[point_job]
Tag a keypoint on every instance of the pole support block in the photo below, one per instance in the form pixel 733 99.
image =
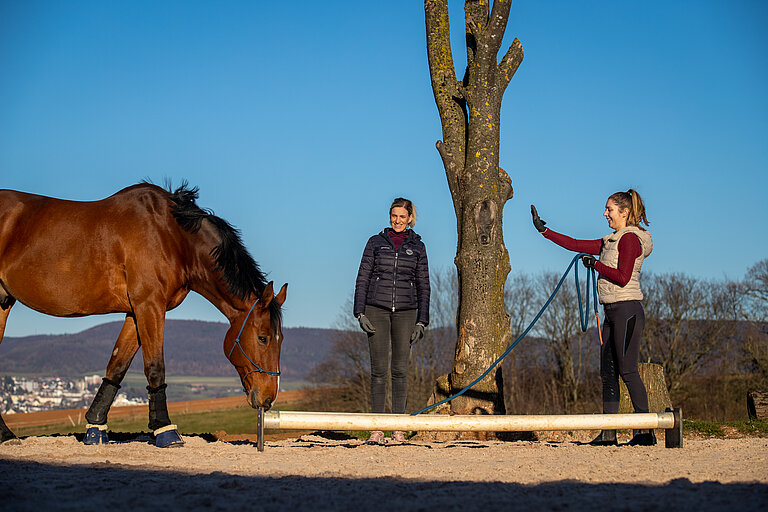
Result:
pixel 673 437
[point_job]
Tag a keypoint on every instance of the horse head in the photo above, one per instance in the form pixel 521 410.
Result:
pixel 252 345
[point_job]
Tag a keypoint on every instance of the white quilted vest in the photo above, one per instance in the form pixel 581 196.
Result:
pixel 610 292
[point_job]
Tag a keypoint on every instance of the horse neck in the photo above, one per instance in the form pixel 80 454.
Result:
pixel 216 292
pixel 207 281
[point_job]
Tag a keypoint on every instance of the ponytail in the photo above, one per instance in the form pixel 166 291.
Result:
pixel 631 200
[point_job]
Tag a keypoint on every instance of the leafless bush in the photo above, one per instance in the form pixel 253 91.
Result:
pixel 689 322
pixel 552 368
pixel 348 364
pixel 570 349
pixel 755 312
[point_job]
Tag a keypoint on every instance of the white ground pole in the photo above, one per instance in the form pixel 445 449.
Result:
pixel 671 421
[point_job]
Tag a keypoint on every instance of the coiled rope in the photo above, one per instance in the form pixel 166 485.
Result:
pixel 583 320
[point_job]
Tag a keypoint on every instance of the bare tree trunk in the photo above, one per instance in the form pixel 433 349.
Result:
pixel 652 375
pixel 470 114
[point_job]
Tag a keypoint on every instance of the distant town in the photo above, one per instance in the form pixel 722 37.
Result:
pixel 32 394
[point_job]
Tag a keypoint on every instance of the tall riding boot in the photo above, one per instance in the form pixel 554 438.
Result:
pixel 643 437
pixel 605 438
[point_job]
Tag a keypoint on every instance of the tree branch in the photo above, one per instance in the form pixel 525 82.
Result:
pixel 498 22
pixel 509 64
pixel 447 158
pixel 452 174
pixel 505 184
pixel 449 93
pixel 475 20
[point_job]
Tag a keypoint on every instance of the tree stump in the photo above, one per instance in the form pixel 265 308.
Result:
pixel 441 391
pixel 652 375
pixel 757 405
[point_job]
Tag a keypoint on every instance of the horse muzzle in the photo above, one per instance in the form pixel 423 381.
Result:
pixel 257 399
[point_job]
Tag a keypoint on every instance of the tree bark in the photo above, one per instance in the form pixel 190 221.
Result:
pixel 652 376
pixel 757 405
pixel 470 113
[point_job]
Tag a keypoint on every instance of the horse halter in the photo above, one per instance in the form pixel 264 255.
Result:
pixel 258 369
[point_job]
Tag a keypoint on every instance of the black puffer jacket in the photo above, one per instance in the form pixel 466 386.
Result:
pixel 396 280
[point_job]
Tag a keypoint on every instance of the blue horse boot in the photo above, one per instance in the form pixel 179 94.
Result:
pixel 96 434
pixel 168 437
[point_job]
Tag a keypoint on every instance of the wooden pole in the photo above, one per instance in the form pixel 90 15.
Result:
pixel 302 420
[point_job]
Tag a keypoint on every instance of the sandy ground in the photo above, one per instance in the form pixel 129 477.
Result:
pixel 333 472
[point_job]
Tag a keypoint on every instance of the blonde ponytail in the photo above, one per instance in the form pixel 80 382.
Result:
pixel 631 200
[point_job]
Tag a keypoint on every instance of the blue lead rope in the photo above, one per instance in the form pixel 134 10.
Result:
pixel 583 318
pixel 583 314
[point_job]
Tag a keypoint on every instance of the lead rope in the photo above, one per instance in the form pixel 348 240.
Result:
pixel 583 319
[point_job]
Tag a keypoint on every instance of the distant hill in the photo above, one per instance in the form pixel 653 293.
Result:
pixel 191 348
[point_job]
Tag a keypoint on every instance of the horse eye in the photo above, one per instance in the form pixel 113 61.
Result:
pixel 263 339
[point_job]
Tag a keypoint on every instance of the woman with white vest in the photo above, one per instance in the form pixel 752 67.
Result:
pixel 621 257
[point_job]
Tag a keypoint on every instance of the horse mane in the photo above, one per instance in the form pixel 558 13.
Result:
pixel 239 270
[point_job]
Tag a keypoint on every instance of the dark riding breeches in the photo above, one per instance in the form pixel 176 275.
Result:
pixel 620 354
pixel 392 336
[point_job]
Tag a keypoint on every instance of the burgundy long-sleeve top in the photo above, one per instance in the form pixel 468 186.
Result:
pixel 397 238
pixel 629 250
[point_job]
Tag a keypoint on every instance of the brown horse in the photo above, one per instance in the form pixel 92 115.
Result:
pixel 139 252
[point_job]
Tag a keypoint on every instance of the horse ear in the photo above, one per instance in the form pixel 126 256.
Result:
pixel 267 294
pixel 280 297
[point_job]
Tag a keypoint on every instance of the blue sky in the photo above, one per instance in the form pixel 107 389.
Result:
pixel 301 121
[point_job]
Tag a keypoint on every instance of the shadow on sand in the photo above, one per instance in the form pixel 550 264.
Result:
pixel 32 486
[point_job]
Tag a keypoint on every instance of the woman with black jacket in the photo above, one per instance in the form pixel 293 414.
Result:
pixel 392 305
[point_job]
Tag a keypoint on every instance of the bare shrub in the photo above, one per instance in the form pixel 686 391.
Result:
pixel 755 311
pixel 553 368
pixel 688 323
pixel 569 348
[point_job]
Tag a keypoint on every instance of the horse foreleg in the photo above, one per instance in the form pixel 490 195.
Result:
pixel 6 435
pixel 126 346
pixel 151 327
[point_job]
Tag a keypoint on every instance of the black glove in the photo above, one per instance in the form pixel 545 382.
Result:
pixel 537 222
pixel 366 324
pixel 588 260
pixel 418 333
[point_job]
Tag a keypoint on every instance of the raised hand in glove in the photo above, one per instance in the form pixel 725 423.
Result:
pixel 588 260
pixel 418 333
pixel 537 222
pixel 366 324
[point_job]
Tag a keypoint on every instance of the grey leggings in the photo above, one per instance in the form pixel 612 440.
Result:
pixel 393 330
pixel 620 353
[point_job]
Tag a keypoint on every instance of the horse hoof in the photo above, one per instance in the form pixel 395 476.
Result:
pixel 96 434
pixel 168 437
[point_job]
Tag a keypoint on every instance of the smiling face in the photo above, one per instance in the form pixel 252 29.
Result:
pixel 617 217
pixel 399 218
